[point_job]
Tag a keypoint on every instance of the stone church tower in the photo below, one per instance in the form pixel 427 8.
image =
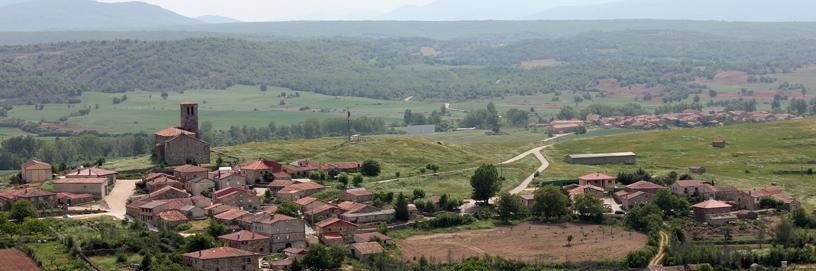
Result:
pixel 189 117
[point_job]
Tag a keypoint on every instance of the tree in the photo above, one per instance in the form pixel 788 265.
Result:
pixel 418 194
pixel 370 168
pixel 644 218
pixel 319 257
pixel 401 208
pixel 198 242
pixel 357 181
pixel 485 182
pixel 34 226
pixel 510 207
pixel 147 261
pixel 407 117
pixel 567 113
pixel 518 117
pixel 550 202
pixel 785 232
pixel 22 209
pixel 264 87
pixel 343 179
pixel 801 218
pixel 492 118
pixel 588 206
pixel 268 196
pixel 288 208
pixel 296 265
pixel 216 229
pixel 670 204
pixel 569 240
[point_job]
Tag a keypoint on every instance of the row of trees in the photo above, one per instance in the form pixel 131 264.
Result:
pixel 311 128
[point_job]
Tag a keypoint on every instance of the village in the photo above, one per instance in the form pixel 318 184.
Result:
pixel 274 208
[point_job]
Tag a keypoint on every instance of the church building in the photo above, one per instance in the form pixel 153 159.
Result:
pixel 182 145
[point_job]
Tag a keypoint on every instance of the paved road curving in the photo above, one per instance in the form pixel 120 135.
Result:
pixel 537 153
pixel 116 202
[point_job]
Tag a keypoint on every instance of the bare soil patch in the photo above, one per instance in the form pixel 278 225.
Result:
pixel 534 243
pixel 730 78
pixel 539 63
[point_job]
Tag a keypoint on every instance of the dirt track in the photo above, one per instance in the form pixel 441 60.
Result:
pixel 527 242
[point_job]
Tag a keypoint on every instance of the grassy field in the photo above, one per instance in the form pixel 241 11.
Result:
pixel 755 156
pixel 108 263
pixel 54 256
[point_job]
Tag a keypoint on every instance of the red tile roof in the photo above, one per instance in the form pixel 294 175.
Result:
pixel 82 180
pixel 172 216
pixel 711 204
pixel 305 201
pixel 172 131
pixel 297 187
pixel 14 259
pixel 243 236
pixel 596 177
pixel 688 183
pixel 218 253
pixel 368 248
pixel 321 208
pixel 231 214
pixel 190 169
pixel 260 165
pixel 166 189
pixel 92 171
pixel 333 220
pixel 644 185
pixel 36 164
pixel 73 196
pixel 275 219
pixel 350 206
pixel 13 194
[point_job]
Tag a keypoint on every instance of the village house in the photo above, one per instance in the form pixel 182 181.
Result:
pixel 285 231
pixel 334 231
pixel 198 186
pixel 149 210
pixel 227 178
pixel 35 171
pixel 243 198
pixel 167 192
pixel 298 190
pixel 217 208
pixel 528 200
pixel 586 189
pixel 302 168
pixel 726 193
pixel 193 212
pixel 356 195
pixel 231 216
pixel 156 181
pixel 190 172
pixel 247 240
pixel 261 171
pixel 689 188
pixel 704 211
pixel 98 187
pixel 372 237
pixel 94 172
pixel 643 186
pixel 172 218
pixel 363 251
pixel 181 145
pixel 598 179
pixel 71 199
pixel 751 200
pixel 367 215
pixel 630 200
pixel 321 212
pixel 563 128
pixel 40 199
pixel 307 203
pixel 278 185
pixel 221 259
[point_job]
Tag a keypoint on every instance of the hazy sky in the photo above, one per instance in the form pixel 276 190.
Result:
pixel 276 10
pixel 265 10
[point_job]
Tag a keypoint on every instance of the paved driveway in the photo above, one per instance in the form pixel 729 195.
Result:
pixel 116 202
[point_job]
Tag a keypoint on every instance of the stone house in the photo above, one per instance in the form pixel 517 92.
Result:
pixel 200 185
pixel 321 212
pixel 598 179
pixel 159 181
pixel 40 199
pixel 193 212
pixel 586 189
pixel 242 198
pixel 528 200
pixel 71 199
pixel 217 208
pixel 751 199
pixel 363 251
pixel 221 259
pixel 334 231
pixel 35 171
pixel 231 216
pixel 360 218
pixel 247 240
pixel 278 185
pixel 688 188
pixel 703 211
pixel 167 192
pixel 227 178
pixel 181 145
pixel 630 200
pixel 356 195
pixel 190 172
pixel 298 190
pixel 94 172
pixel 255 171
pixel 172 218
pixel 643 186
pixel 98 187
pixel 284 231
pixel 307 203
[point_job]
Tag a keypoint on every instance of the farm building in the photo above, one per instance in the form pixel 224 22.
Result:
pixel 247 240
pixel 221 259
pixel 597 179
pixel 98 187
pixel 703 211
pixel 94 172
pixel 602 158
pixel 35 171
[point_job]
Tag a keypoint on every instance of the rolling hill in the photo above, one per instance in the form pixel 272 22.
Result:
pixel 720 10
pixel 38 15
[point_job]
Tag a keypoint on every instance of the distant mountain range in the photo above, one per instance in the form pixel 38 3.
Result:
pixel 215 19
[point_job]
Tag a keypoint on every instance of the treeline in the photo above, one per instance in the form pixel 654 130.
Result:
pixel 70 150
pixel 311 128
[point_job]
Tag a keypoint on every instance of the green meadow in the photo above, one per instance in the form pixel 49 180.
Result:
pixel 757 155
